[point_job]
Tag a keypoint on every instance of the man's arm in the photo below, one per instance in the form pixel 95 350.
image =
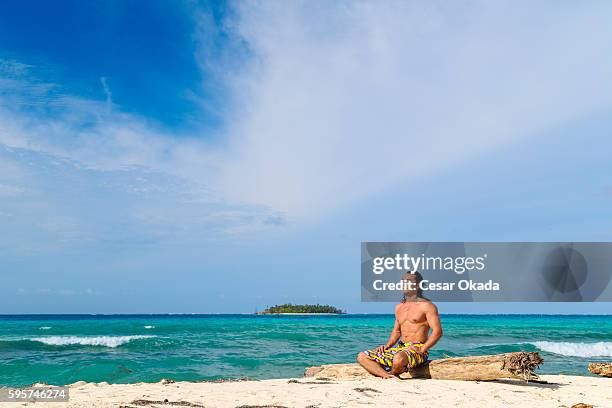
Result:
pixel 433 320
pixel 396 333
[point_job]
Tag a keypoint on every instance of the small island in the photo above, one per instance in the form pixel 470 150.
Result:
pixel 302 309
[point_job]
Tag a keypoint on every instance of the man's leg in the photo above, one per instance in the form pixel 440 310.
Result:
pixel 372 366
pixel 400 362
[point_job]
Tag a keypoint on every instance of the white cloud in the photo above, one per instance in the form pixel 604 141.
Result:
pixel 342 100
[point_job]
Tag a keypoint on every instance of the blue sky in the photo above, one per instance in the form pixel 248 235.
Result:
pixel 160 156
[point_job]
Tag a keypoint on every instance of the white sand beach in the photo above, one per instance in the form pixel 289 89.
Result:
pixel 562 391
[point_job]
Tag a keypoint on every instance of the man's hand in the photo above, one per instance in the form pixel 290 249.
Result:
pixel 421 350
pixel 381 349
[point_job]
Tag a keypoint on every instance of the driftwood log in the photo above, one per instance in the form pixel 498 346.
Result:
pixel 603 369
pixel 476 368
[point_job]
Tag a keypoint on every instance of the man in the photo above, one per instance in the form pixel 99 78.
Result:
pixel 414 317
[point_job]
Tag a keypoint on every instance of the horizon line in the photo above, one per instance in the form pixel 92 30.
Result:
pixel 300 314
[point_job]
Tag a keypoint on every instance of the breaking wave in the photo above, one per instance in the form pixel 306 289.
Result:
pixel 105 341
pixel 599 349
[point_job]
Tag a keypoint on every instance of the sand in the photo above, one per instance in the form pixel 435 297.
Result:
pixel 563 391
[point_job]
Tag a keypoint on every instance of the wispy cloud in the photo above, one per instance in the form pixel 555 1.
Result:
pixel 107 93
pixel 58 204
pixel 55 292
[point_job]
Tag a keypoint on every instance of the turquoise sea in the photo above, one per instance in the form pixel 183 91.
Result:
pixel 132 348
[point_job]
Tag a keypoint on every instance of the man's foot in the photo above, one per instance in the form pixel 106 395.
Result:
pixel 372 366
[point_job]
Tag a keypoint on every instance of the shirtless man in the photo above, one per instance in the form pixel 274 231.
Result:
pixel 414 317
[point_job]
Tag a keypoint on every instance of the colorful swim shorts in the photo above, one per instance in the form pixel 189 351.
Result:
pixel 385 359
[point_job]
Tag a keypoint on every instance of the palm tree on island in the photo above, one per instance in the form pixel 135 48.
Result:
pixel 289 308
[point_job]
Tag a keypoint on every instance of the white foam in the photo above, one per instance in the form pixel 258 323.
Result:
pixel 44 328
pixel 149 327
pixel 600 349
pixel 106 341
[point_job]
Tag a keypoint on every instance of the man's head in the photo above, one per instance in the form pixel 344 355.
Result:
pixel 413 288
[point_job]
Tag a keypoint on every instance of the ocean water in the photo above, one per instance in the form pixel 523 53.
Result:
pixel 124 349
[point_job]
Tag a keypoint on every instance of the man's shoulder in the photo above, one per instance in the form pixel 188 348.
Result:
pixel 398 307
pixel 428 305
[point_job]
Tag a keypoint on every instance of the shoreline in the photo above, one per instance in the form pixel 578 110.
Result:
pixel 560 390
